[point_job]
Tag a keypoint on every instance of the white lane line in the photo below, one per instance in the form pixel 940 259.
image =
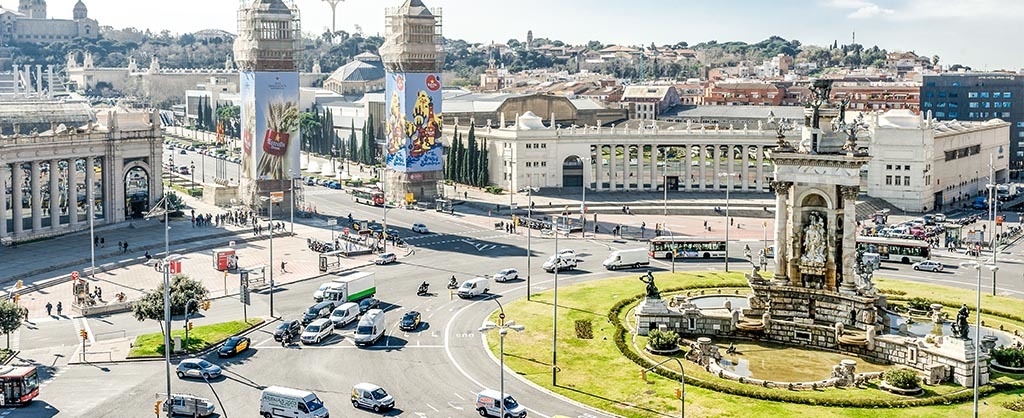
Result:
pixel 459 408
pixel 458 396
pixel 432 407
pixel 344 347
pixel 88 330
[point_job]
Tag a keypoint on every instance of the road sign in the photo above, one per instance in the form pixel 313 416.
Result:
pixel 74 275
pixel 345 231
pixel 175 266
pixel 276 196
pixel 332 222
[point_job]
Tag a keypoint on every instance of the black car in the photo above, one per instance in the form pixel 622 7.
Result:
pixel 367 304
pixel 410 321
pixel 320 310
pixel 290 328
pixel 234 345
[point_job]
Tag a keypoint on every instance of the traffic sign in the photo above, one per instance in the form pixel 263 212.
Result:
pixel 332 222
pixel 276 196
pixel 345 231
pixel 74 275
pixel 175 266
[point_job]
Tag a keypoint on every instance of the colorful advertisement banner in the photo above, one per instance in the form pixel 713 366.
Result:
pixel 413 137
pixel 270 125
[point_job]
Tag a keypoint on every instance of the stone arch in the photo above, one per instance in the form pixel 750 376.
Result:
pixel 815 199
pixel 138 189
pixel 572 171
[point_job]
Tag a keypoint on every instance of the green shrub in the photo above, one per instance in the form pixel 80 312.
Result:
pixel 1015 405
pixel 885 291
pixel 663 340
pixel 902 378
pixel 493 189
pixel 1009 357
pixel 584 329
pixel 920 304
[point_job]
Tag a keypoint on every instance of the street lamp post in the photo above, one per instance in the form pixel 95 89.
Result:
pixel 291 191
pixel 993 208
pixel 503 328
pixel 682 382
pixel 728 187
pixel 384 189
pixel 204 167
pixel 554 334
pixel 529 238
pixel 977 323
pixel 192 172
pixel 583 204
pixel 270 205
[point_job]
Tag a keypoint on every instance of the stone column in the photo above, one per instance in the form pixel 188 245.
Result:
pixel 716 180
pixel 90 197
pixel 612 174
pixel 17 196
pixel 781 217
pixel 654 167
pixel 37 204
pixel 73 192
pixel 3 199
pixel 760 168
pixel 745 171
pixel 730 166
pixel 54 194
pixel 627 167
pixel 849 194
pixel 599 169
pixel 702 182
pixel 688 172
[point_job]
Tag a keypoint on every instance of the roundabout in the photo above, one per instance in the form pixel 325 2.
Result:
pixel 604 370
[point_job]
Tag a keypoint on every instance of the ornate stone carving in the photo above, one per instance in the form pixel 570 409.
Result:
pixel 849 192
pixel 960 328
pixel 814 242
pixel 781 187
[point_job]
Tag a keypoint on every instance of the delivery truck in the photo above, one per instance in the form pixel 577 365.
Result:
pixel 351 287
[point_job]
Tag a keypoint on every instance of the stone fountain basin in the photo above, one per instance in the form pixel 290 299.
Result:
pixel 718 301
pixel 923 328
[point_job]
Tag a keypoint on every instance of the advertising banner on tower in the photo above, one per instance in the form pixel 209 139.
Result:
pixel 270 125
pixel 413 122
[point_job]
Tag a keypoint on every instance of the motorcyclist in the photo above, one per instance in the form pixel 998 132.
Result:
pixel 453 283
pixel 286 340
pixel 423 288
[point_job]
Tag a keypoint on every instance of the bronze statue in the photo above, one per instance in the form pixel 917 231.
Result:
pixel 652 290
pixel 960 328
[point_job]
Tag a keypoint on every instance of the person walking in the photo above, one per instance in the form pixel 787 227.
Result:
pixel 283 263
pixel 49 309
pixel 60 308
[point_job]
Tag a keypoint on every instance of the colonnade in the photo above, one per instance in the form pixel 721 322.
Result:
pixel 50 195
pixel 688 167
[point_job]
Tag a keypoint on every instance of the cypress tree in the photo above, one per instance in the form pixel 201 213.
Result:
pixel 485 176
pixel 199 114
pixel 372 150
pixel 456 159
pixel 350 146
pixel 472 159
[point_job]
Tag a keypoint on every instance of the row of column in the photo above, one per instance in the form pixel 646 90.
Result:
pixel 17 195
pixel 618 173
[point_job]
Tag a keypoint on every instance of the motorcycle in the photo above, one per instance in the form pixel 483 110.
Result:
pixel 422 291
pixel 453 284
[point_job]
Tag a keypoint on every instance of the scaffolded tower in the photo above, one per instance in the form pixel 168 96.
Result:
pixel 413 57
pixel 269 36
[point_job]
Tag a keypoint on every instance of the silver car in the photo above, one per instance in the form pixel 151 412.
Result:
pixel 199 368
pixel 928 265
pixel 506 275
pixel 189 405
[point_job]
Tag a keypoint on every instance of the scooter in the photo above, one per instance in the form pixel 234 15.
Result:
pixel 422 291
pixel 453 284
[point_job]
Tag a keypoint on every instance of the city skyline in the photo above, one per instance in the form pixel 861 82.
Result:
pixel 903 25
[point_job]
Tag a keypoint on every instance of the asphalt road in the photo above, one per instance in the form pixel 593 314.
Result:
pixel 433 371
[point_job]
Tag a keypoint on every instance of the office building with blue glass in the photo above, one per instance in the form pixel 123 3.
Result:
pixel 979 97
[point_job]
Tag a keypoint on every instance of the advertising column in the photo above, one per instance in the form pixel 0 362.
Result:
pixel 270 125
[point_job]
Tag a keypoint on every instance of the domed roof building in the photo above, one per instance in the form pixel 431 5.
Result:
pixel 365 73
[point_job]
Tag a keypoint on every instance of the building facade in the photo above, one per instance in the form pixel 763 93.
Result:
pixel 51 181
pixel 649 101
pixel 979 97
pixel 31 24
pixel 921 164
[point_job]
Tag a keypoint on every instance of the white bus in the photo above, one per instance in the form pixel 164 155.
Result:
pixel 904 251
pixel 687 247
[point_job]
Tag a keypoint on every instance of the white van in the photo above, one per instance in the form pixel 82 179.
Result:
pixel 277 401
pixel 627 258
pixel 488 404
pixel 345 314
pixel 474 287
pixel 371 328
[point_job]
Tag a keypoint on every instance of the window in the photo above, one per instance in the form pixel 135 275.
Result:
pixel 942 94
pixel 941 104
pixel 888 180
pixel 953 115
pixel 543 163
pixel 543 145
pixel 1006 105
pixel 1020 124
pixel 972 95
pixel 906 180
pixel 888 166
pixel 953 105
pixel 984 95
pixel 1006 115
pixel 973 105
pixel 898 167
pixel 997 95
pixel 940 114
pixel 528 146
pixel 996 105
pixel 927 104
pixel 1007 95
pixel 929 95
pixel 954 95
pixel 1020 134
pixel 898 180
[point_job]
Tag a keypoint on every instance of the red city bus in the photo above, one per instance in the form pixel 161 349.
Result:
pixel 368 196
pixel 18 385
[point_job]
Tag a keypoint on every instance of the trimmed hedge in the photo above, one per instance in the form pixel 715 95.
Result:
pixel 778 395
pixel 663 341
pixel 1009 357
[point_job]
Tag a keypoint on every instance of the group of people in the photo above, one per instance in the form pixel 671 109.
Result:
pixel 49 309
pixel 510 227
pixel 257 228
pixel 205 220
pixel 122 246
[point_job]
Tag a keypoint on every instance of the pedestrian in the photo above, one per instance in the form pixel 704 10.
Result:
pixel 96 241
pixel 49 309
pixel 103 242
pixel 119 245
pixel 126 246
pixel 595 228
pixel 705 224
pixel 60 308
pixel 282 267
pixel 465 195
pixel 731 220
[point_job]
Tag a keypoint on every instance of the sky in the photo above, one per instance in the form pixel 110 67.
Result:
pixel 983 34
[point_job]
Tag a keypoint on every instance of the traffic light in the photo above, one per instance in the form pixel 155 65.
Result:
pixel 17 298
pixel 643 375
pixel 679 393
pixel 156 408
pixel 84 334
pixel 205 304
pixel 190 325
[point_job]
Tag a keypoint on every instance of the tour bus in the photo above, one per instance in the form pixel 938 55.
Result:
pixel 18 385
pixel 687 247
pixel 368 196
pixel 904 251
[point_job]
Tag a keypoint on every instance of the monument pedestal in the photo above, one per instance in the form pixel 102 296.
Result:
pixel 422 186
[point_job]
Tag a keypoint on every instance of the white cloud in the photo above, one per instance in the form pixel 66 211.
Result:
pixel 861 9
pixel 929 9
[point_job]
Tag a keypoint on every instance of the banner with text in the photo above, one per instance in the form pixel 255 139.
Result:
pixel 270 125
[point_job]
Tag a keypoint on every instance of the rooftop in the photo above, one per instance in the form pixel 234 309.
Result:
pixel 733 112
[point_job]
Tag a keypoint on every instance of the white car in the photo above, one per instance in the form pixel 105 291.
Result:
pixel 928 265
pixel 317 331
pixel 386 258
pixel 568 253
pixel 506 275
pixel 420 228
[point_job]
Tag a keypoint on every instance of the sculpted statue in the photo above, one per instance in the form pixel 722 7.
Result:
pixel 652 290
pixel 814 241
pixel 960 328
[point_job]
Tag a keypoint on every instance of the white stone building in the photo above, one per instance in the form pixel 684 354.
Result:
pixel 922 164
pixel 31 24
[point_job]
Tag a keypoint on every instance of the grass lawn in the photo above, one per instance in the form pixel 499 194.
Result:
pixel 199 338
pixel 594 372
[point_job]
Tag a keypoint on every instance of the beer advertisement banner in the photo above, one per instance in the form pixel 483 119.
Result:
pixel 413 137
pixel 270 125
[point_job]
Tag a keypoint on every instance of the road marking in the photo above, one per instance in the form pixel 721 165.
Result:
pixel 458 408
pixel 340 347
pixel 431 407
pixel 458 396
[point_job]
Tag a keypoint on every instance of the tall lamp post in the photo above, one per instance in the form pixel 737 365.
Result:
pixel 502 328
pixel 554 333
pixel 682 382
pixel 529 237
pixel 977 324
pixel 583 204
pixel 275 197
pixel 728 187
pixel 993 208
pixel 291 191
pixel 192 171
